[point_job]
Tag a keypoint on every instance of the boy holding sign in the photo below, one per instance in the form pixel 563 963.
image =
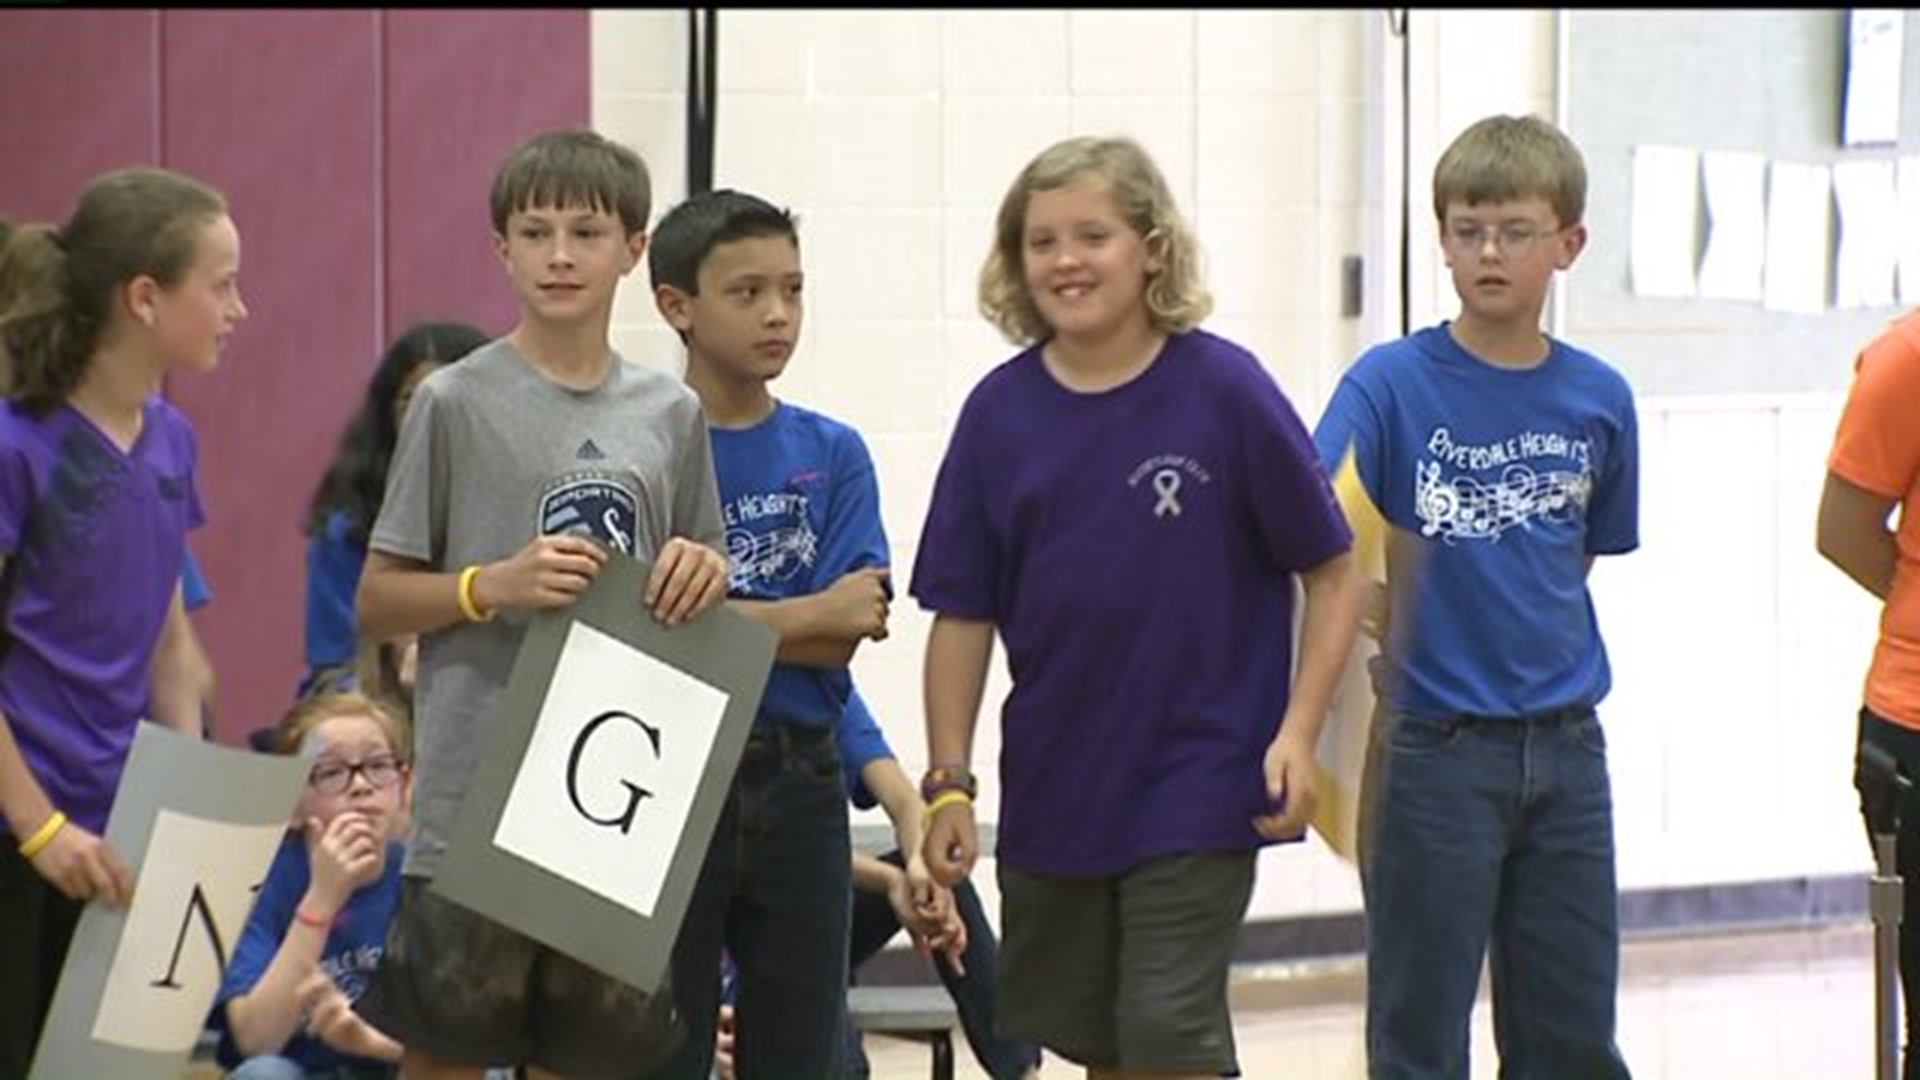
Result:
pixel 517 471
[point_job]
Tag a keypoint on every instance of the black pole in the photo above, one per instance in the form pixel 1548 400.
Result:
pixel 703 54
pixel 1401 30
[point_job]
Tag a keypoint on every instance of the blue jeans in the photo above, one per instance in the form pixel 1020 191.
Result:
pixel 775 892
pixel 974 993
pixel 1486 833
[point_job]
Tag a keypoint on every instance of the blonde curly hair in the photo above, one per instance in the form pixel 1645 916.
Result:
pixel 1176 299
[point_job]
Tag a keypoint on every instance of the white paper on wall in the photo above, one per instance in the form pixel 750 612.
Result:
pixel 1905 228
pixel 1799 216
pixel 1868 258
pixel 1736 183
pixel 1875 42
pixel 1666 185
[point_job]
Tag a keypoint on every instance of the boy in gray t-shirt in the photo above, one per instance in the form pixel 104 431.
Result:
pixel 517 472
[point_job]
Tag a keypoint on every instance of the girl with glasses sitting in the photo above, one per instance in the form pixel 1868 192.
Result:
pixel 319 924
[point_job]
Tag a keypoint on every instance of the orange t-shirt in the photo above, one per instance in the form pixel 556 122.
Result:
pixel 1878 448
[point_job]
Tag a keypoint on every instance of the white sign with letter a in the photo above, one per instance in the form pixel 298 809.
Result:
pixel 603 795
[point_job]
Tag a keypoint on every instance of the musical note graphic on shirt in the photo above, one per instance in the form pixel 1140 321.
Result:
pixel 775 555
pixel 1465 508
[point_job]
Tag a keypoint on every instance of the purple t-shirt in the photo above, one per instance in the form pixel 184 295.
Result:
pixel 1136 550
pixel 94 539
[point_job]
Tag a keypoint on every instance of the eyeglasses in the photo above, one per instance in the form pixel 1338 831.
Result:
pixel 335 777
pixel 1514 238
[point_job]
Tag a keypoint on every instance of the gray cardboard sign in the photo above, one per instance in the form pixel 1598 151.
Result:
pixel 199 824
pixel 592 807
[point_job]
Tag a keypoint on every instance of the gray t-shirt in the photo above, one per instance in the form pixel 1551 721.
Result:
pixel 491 455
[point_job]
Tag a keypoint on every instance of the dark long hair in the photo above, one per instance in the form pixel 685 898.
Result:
pixel 356 482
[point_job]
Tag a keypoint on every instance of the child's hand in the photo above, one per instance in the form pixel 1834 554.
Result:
pixel 85 867
pixel 347 853
pixel 551 572
pixel 687 579
pixel 948 938
pixel 950 845
pixel 330 1016
pixel 723 1044
pixel 1290 785
pixel 857 603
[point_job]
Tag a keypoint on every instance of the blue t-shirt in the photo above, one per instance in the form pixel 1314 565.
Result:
pixel 351 953
pixel 861 741
pixel 802 509
pixel 194 593
pixel 1136 548
pixel 334 561
pixel 1499 483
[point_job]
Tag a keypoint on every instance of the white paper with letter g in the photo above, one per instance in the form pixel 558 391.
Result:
pixel 606 786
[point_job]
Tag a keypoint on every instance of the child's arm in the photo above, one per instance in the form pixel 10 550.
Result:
pixel 400 596
pixel 78 863
pixel 1335 597
pixel 346 857
pixel 958 651
pixel 1853 534
pixel 871 875
pixel 824 629
pixel 175 696
pixel 897 794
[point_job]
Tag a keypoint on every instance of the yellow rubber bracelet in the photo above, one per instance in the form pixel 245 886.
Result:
pixel 39 840
pixel 468 606
pixel 947 798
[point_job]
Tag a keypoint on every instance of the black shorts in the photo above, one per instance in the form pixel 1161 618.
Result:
pixel 1127 972
pixel 464 989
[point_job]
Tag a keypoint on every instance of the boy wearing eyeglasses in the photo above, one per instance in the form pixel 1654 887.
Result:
pixel 1506 460
pixel 285 1010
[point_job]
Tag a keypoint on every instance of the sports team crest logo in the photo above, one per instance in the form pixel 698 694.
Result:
pixel 594 505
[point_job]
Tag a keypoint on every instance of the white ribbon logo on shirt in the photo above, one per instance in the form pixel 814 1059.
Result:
pixel 1166 484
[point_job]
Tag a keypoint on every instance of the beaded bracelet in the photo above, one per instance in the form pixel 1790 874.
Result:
pixel 942 778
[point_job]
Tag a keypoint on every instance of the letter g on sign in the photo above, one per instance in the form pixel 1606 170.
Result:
pixel 623 820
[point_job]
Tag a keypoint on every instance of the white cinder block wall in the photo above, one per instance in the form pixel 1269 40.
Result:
pixel 894 135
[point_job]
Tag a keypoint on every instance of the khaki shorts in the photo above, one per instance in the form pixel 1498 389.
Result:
pixel 1127 972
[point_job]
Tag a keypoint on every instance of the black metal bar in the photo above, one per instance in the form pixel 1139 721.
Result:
pixel 703 55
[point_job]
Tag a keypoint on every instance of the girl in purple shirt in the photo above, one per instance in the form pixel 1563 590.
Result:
pixel 96 497
pixel 1128 503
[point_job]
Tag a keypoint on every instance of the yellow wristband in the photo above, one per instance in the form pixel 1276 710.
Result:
pixel 38 841
pixel 468 606
pixel 947 798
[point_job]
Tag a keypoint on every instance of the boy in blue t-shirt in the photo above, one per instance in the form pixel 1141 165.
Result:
pixel 808 557
pixel 1505 460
